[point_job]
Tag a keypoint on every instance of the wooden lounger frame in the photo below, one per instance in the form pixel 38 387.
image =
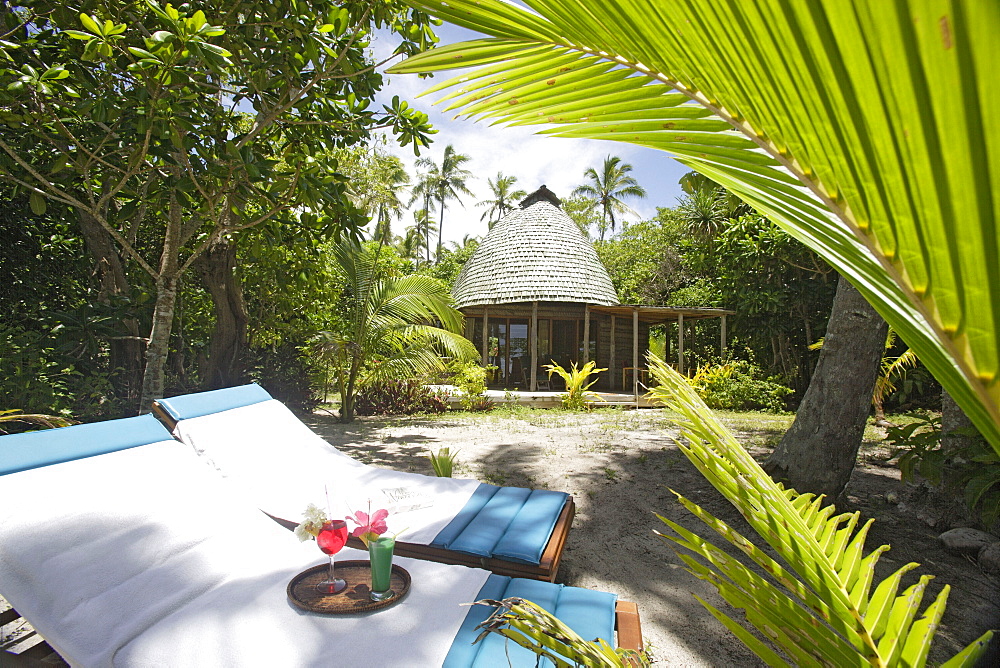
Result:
pixel 546 569
pixel 41 655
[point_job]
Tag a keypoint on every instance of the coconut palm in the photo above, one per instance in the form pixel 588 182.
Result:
pixel 866 129
pixel 384 203
pixel 608 188
pixel 383 333
pixel 504 198
pixel 446 182
pixel 424 190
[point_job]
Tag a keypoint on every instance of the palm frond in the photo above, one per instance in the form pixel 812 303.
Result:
pixel 820 608
pixel 865 129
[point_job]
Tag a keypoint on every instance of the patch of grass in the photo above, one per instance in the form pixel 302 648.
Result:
pixel 610 474
pixel 498 478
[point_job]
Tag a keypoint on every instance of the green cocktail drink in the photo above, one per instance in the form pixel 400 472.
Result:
pixel 380 554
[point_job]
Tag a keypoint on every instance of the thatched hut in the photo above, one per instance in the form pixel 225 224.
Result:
pixel 535 291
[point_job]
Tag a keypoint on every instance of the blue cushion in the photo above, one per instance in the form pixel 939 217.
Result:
pixel 510 523
pixel 591 614
pixel 187 406
pixel 468 513
pixel 463 652
pixel 526 537
pixel 482 535
pixel 20 452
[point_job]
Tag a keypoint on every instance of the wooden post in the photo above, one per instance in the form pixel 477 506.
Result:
pixel 680 343
pixel 722 336
pixel 611 362
pixel 533 337
pixel 486 338
pixel 586 334
pixel 635 354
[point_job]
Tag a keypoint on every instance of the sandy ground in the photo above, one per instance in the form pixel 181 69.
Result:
pixel 619 465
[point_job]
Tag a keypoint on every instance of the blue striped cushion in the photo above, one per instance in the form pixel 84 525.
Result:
pixel 591 614
pixel 510 523
pixel 20 452
pixel 189 406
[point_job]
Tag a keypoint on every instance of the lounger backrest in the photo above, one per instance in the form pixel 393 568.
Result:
pixel 189 406
pixel 20 452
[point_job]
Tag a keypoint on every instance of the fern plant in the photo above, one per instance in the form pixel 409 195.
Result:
pixel 577 394
pixel 824 607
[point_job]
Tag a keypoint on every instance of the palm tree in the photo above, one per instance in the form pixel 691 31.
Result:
pixel 425 190
pixel 609 187
pixel 707 206
pixel 383 202
pixel 817 146
pixel 382 334
pixel 504 199
pixel 447 181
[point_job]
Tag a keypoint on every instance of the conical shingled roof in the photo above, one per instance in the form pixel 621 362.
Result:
pixel 535 253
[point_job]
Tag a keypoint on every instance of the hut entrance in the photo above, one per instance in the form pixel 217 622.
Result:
pixel 509 346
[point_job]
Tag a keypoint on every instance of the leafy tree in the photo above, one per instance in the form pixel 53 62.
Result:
pixel 583 212
pixel 130 115
pixel 505 198
pixel 644 262
pixel 451 262
pixel 382 333
pixel 446 181
pixel 378 181
pixel 782 293
pixel 609 187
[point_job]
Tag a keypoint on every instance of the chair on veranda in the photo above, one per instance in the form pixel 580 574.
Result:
pixel 282 465
pixel 123 548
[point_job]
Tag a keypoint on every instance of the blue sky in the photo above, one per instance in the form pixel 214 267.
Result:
pixel 533 159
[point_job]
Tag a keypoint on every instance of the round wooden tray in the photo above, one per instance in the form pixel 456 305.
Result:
pixel 358 574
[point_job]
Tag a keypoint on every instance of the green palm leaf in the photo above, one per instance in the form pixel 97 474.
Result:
pixel 817 609
pixel 866 129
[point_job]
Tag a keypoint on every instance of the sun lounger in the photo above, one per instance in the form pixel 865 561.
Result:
pixel 122 548
pixel 258 443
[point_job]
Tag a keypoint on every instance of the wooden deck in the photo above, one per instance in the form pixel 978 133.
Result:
pixel 549 399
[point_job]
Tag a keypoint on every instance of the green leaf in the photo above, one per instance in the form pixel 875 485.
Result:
pixel 91 25
pixel 142 53
pixel 37 203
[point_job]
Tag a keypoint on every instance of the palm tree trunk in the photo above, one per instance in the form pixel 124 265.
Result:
pixel 349 393
pixel 819 451
pixel 437 255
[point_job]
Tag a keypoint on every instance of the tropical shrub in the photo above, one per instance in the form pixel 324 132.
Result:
pixel 398 397
pixel 738 386
pixel 443 462
pixel 969 468
pixel 470 379
pixel 576 396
